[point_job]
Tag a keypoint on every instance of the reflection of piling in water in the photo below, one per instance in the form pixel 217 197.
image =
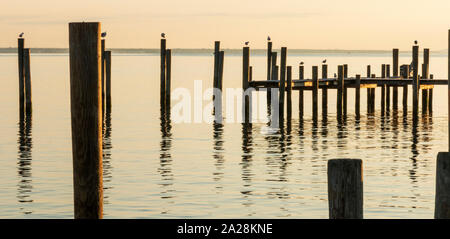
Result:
pixel 86 110
pixel 106 150
pixel 25 143
pixel 218 151
pixel 345 189
pixel 165 158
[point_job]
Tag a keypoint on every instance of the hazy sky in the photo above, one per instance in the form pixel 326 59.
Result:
pixel 318 24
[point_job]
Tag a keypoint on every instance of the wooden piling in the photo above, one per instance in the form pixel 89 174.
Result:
pixel 345 189
pixel 388 90
pixel 245 81
pixel 315 92
pixel 216 64
pixel 27 78
pixel 269 59
pixel 273 72
pixel 289 92
pixel 430 99
pixel 368 90
pixel 442 196
pixel 20 47
pixel 324 91
pixel 358 96
pixel 221 64
pixel 282 83
pixel 107 55
pixel 344 103
pixel 425 75
pixel 395 72
pixel 340 90
pixel 415 96
pixel 405 91
pixel 168 56
pixel 372 97
pixel 163 73
pixel 301 76
pixel 383 91
pixel 103 42
pixel 86 103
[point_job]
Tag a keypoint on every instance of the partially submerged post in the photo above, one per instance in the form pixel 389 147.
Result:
pixel 425 75
pixel 395 74
pixel 340 89
pixel 27 77
pixel 324 91
pixel 357 96
pixel 415 55
pixel 108 79
pixel 368 90
pixel 282 84
pixel 245 82
pixel 86 103
pixel 301 76
pixel 289 92
pixel 216 63
pixel 163 73
pixel 315 92
pixel 344 103
pixel 168 56
pixel 383 90
pixel 20 47
pixel 405 75
pixel 388 89
pixel 345 189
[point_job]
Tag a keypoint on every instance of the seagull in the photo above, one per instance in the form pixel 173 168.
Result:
pixel 301 63
pixel 246 43
pixel 415 42
pixel 324 61
pixel 103 34
pixel 268 38
pixel 21 34
pixel 163 35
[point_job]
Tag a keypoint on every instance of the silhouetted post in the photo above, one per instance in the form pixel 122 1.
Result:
pixel 430 99
pixel 274 72
pixel 245 80
pixel 388 89
pixel 368 90
pixel 20 46
pixel 324 91
pixel 405 90
pixel 250 73
pixel 442 197
pixel 163 73
pixel 383 90
pixel 86 103
pixel 103 71
pixel 344 103
pixel 282 84
pixel 301 76
pixel 107 55
pixel 27 76
pixel 358 96
pixel 168 79
pixel 340 89
pixel 372 97
pixel 345 188
pixel 221 63
pixel 395 74
pixel 269 59
pixel 315 92
pixel 216 63
pixel 425 75
pixel 415 80
pixel 289 92
pixel 448 90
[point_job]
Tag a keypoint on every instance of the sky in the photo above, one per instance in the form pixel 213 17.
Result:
pixel 299 24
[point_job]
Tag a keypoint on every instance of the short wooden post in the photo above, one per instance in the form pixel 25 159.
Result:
pixel 415 56
pixel 368 90
pixel 395 73
pixel 245 82
pixel 301 76
pixel 108 79
pixel 20 47
pixel 340 90
pixel 442 197
pixel 383 90
pixel 289 92
pixel 430 99
pixel 358 96
pixel 315 92
pixel 168 56
pixel 345 189
pixel 388 89
pixel 324 91
pixel 163 73
pixel 85 91
pixel 344 103
pixel 27 76
pixel 282 84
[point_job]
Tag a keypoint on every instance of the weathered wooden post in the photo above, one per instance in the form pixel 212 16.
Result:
pixel 27 76
pixel 301 76
pixel 282 84
pixel 163 74
pixel 245 82
pixel 344 103
pixel 388 89
pixel 216 64
pixel 269 59
pixel 273 72
pixel 383 90
pixel 86 104
pixel 430 99
pixel 103 70
pixel 221 64
pixel 395 74
pixel 405 75
pixel 107 55
pixel 345 188
pixel 168 56
pixel 340 89
pixel 358 96
pixel 20 47
pixel 368 90
pixel 315 92
pixel 324 91
pixel 442 197
pixel 372 97
pixel 415 55
pixel 425 75
pixel 289 92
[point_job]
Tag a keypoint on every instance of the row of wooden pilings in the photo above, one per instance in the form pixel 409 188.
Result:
pixel 345 177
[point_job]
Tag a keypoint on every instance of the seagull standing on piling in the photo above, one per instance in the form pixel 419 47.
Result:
pixel 415 42
pixel 301 63
pixel 268 38
pixel 246 43
pixel 103 34
pixel 324 61
pixel 163 35
pixel 21 35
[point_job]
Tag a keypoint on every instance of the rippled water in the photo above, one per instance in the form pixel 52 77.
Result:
pixel 158 169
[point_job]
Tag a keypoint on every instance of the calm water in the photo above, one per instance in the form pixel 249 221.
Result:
pixel 155 169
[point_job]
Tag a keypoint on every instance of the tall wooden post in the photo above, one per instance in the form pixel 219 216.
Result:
pixel 344 103
pixel 163 74
pixel 108 79
pixel 168 79
pixel 442 197
pixel 269 59
pixel 368 90
pixel 20 47
pixel 221 64
pixel 388 89
pixel 405 92
pixel 289 92
pixel 383 90
pixel 245 80
pixel 86 103
pixel 425 75
pixel 358 96
pixel 430 99
pixel 345 188
pixel 282 84
pixel 372 97
pixel 301 76
pixel 315 92
pixel 27 76
pixel 273 72
pixel 395 68
pixel 216 63
pixel 103 70
pixel 415 56
pixel 340 90
pixel 324 91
